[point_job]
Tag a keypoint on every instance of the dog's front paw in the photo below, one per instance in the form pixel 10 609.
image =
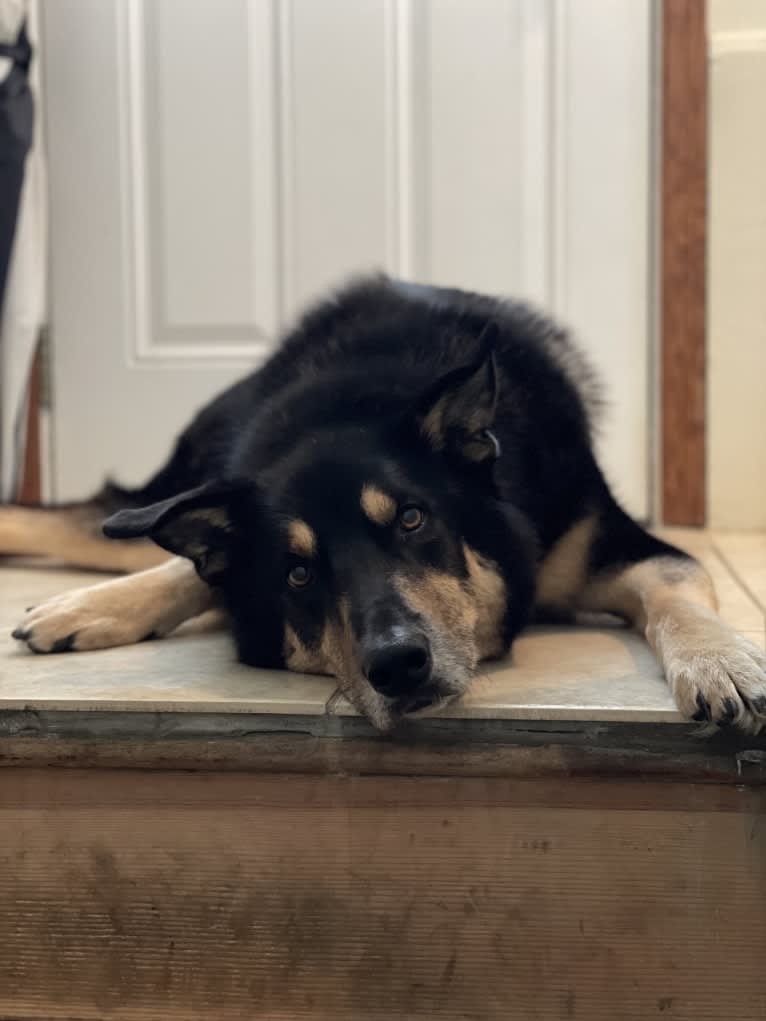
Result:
pixel 718 675
pixel 88 618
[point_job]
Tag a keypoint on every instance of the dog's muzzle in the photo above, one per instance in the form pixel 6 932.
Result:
pixel 399 665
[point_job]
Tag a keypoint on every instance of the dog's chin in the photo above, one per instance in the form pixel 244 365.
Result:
pixel 425 703
pixel 386 713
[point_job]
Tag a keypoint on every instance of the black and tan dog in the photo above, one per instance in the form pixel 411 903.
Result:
pixel 389 499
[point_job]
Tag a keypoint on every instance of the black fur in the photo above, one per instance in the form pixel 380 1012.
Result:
pixel 343 402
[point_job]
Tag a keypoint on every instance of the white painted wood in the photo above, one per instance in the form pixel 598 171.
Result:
pixel 471 130
pixel 604 191
pixel 341 219
pixel 113 412
pixel 536 86
pixel 200 195
pixel 217 163
pixel 737 268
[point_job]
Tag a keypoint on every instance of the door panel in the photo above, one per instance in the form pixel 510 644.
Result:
pixel 217 163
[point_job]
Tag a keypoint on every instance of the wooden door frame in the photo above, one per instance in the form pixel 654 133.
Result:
pixel 683 234
pixel 30 481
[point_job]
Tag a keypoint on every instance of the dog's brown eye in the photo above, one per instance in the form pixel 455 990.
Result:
pixel 411 519
pixel 299 576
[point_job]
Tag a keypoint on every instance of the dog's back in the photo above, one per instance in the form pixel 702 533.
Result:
pixel 368 353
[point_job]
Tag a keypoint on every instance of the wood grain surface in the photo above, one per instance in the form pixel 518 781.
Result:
pixel 137 896
pixel 683 273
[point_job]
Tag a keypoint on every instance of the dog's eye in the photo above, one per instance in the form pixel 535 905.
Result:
pixel 411 518
pixel 299 576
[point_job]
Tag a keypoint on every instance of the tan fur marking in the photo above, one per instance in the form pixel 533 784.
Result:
pixel 650 588
pixel 432 425
pixel 440 595
pixel 302 539
pixel 299 657
pixel 72 536
pixel 332 656
pixel 449 613
pixel 121 611
pixel 489 592
pixel 562 575
pixel 379 507
pixel 215 517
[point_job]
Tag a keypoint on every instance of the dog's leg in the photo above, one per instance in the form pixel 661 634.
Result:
pixel 714 673
pixel 118 612
pixel 72 534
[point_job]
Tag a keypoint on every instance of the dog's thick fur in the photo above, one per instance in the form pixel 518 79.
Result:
pixel 389 499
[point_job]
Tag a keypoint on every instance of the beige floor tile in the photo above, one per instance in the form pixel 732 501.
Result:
pixel 737 606
pixel 745 553
pixel 187 672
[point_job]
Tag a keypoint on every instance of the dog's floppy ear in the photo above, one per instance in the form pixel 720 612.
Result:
pixel 458 412
pixel 198 524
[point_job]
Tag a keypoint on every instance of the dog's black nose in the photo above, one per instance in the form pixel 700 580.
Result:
pixel 396 666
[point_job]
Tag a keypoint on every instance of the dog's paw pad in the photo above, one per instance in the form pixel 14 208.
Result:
pixel 704 711
pixel 64 644
pixel 729 713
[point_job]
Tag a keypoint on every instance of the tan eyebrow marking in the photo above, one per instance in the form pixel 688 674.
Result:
pixel 379 507
pixel 302 538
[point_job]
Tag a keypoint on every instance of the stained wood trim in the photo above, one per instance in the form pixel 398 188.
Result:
pixel 683 248
pixel 501 751
pixel 30 486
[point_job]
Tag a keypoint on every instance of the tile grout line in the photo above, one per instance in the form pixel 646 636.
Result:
pixel 741 582
pixel 738 578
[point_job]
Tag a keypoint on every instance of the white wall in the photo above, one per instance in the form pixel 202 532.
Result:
pixel 737 265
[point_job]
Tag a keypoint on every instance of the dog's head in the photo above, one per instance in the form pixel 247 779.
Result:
pixel 377 553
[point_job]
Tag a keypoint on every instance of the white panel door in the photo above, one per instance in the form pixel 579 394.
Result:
pixel 215 164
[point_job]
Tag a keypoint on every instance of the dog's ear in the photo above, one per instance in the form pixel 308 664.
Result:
pixel 458 412
pixel 199 524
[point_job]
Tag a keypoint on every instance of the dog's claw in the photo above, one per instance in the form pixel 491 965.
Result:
pixel 704 711
pixel 729 713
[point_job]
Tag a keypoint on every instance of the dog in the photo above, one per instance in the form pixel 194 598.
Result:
pixel 390 499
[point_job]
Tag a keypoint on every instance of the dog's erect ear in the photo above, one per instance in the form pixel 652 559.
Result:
pixel 198 524
pixel 457 414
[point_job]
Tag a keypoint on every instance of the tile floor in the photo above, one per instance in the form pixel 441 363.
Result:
pixel 594 673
